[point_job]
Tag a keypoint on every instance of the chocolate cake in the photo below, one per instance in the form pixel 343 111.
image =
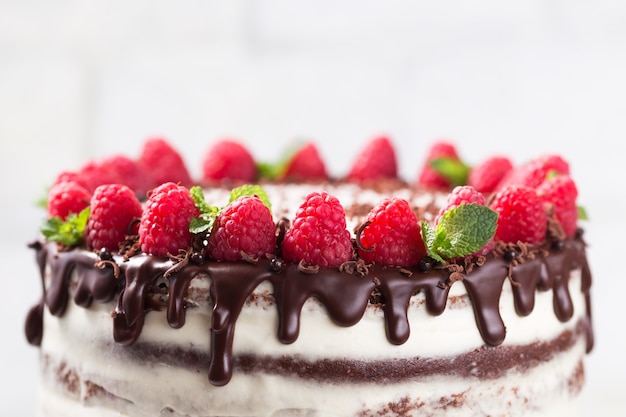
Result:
pixel 455 295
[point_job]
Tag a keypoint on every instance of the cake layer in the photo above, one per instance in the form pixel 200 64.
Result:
pixel 142 381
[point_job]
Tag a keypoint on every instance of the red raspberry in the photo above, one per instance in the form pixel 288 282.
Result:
pixel 521 215
pixel 67 197
pixel 164 227
pixel 94 174
pixel 533 173
pixel 113 209
pixel 318 235
pixel 245 225
pixel 305 165
pixel 393 235
pixel 429 177
pixel 465 194
pixel 228 160
pixel 375 161
pixel 129 173
pixel 486 176
pixel 72 176
pixel 163 163
pixel 561 191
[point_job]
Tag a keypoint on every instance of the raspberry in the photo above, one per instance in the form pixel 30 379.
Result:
pixel 534 172
pixel 94 174
pixel 393 235
pixel 128 172
pixel 561 192
pixel 163 163
pixel 375 161
pixel 114 207
pixel 228 160
pixel 429 177
pixel 318 235
pixel 245 225
pixel 521 215
pixel 72 176
pixel 67 197
pixel 486 176
pixel 465 194
pixel 306 164
pixel 164 227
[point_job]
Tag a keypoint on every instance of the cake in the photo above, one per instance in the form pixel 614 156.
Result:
pixel 275 290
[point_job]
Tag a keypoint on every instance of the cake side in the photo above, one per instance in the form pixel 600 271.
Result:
pixel 323 355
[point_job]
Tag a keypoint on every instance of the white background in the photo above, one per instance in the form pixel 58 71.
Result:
pixel 87 79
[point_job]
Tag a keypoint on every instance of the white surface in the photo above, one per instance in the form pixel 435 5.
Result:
pixel 85 79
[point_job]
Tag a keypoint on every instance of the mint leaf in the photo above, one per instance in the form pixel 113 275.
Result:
pixel 453 170
pixel 461 231
pixel 429 236
pixel 275 170
pixel 582 213
pixel 269 170
pixel 69 232
pixel 199 225
pixel 252 190
pixel 208 213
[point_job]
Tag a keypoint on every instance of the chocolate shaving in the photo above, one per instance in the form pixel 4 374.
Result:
pixel 357 239
pixel 457 273
pixel 405 271
pixel 131 226
pixel 308 269
pixel 181 261
pixel 281 228
pixel 101 264
pixel 130 247
pixel 358 268
pixel 555 230
pixel 249 258
pixel 523 252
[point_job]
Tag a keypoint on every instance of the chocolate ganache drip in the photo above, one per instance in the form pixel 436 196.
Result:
pixel 344 295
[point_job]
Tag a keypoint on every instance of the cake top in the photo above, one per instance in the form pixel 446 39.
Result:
pixel 151 204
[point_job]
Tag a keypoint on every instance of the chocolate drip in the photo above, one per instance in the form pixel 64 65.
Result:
pixel 484 288
pixel 345 296
pixel 397 290
pixel 345 300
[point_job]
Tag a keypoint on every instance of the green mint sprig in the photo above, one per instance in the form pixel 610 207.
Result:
pixel 455 171
pixel 252 190
pixel 68 232
pixel 208 212
pixel 461 231
pixel 275 170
